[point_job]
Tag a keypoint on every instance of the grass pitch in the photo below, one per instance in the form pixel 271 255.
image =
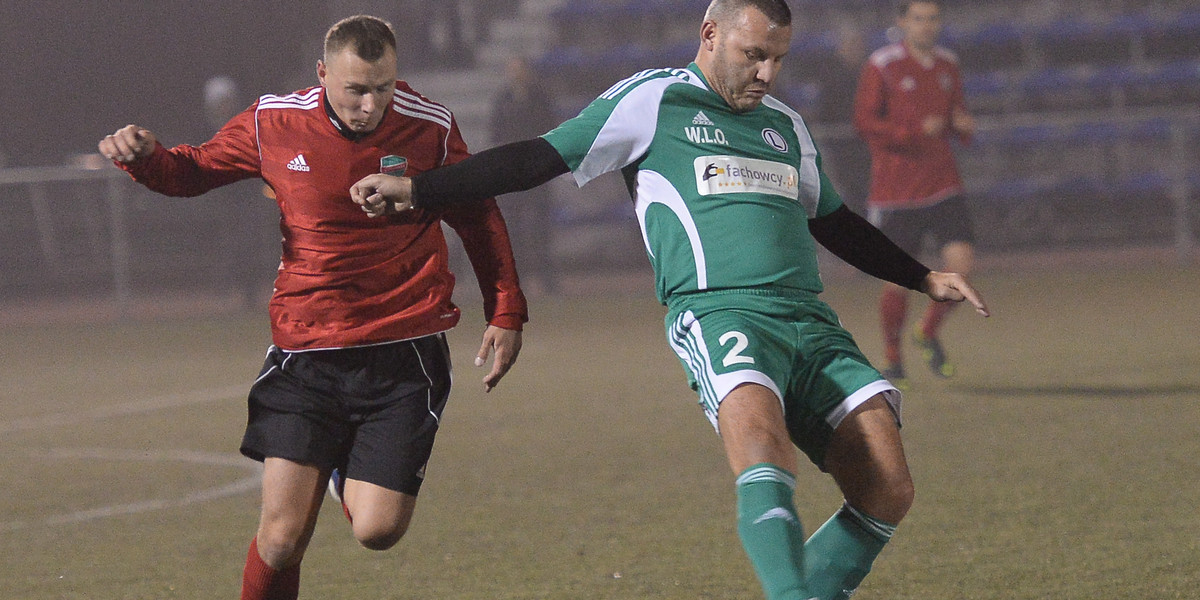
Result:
pixel 1060 463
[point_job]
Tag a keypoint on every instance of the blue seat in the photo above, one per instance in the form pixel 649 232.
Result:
pixel 1148 183
pixel 993 34
pixel 1179 72
pixel 1068 30
pixel 812 45
pixel 1075 187
pixel 561 58
pixel 1094 132
pixel 1030 135
pixel 994 83
pixel 802 96
pixel 1113 77
pixel 1185 23
pixel 1054 79
pixel 1012 190
pixel 1129 25
pixel 1156 129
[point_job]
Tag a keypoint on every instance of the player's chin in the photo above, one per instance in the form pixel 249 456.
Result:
pixel 749 101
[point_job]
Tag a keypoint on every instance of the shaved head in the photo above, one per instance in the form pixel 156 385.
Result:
pixel 777 12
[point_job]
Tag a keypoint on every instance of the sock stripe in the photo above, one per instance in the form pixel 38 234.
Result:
pixel 880 529
pixel 766 473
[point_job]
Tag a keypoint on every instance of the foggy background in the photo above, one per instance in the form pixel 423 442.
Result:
pixel 1088 124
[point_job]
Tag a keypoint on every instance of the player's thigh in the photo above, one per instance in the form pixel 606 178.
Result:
pixel 724 348
pixel 866 458
pixel 752 429
pixel 831 378
pixel 380 516
pixel 291 498
pixel 958 257
pixel 397 419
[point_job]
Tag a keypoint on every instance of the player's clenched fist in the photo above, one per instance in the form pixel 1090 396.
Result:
pixel 380 194
pixel 128 144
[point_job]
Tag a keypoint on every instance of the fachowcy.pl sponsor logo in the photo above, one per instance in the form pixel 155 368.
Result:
pixel 735 174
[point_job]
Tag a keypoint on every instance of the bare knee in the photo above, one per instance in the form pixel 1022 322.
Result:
pixel 379 536
pixel 898 499
pixel 380 515
pixel 280 546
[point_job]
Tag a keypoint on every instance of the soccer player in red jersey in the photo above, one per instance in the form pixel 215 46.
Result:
pixel 908 106
pixel 359 371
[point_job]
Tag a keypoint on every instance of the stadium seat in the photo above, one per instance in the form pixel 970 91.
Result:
pixel 1094 132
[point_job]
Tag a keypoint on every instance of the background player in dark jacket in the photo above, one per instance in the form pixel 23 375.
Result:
pixel 359 371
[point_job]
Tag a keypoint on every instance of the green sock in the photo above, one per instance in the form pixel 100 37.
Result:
pixel 839 555
pixel 771 532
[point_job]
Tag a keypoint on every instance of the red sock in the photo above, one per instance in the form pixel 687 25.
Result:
pixel 931 323
pixel 261 582
pixel 893 308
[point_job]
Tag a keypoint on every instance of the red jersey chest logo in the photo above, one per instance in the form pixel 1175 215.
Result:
pixel 393 165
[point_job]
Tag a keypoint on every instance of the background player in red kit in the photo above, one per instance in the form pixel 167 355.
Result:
pixel 908 105
pixel 359 370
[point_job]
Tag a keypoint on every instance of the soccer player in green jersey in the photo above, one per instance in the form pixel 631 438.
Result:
pixel 731 199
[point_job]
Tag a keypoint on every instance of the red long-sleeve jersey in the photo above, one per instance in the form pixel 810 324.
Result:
pixel 346 279
pixel 896 92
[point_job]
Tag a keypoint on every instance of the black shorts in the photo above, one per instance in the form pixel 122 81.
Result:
pixel 372 411
pixel 942 223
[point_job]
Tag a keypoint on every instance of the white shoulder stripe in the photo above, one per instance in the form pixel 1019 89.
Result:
pixel 620 86
pixel 433 115
pixel 810 177
pixel 945 54
pixel 421 115
pixel 280 104
pixel 892 52
pixel 416 101
pixel 304 101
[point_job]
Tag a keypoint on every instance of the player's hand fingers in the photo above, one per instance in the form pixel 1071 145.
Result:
pixel 481 357
pixel 974 298
pixel 362 189
pixel 506 345
pixel 953 287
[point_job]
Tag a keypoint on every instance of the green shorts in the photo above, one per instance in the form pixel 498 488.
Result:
pixel 788 341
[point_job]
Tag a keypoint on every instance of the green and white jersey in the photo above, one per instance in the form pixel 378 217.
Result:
pixel 723 198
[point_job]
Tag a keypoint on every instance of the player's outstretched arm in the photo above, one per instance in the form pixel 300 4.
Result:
pixel 507 345
pixel 128 144
pixel 952 287
pixel 514 167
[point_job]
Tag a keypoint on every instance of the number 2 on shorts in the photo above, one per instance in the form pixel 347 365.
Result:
pixel 734 357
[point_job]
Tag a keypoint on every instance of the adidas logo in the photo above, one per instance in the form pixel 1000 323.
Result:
pixel 299 164
pixel 702 119
pixel 777 513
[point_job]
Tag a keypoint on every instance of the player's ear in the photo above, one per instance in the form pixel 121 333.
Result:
pixel 708 35
pixel 321 71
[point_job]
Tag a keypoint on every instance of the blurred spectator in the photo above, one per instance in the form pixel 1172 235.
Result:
pixel 846 158
pixel 222 100
pixel 521 110
pixel 248 238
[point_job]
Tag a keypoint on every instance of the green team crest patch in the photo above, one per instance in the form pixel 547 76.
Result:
pixel 393 165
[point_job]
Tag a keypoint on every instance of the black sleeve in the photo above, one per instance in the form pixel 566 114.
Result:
pixel 514 167
pixel 854 240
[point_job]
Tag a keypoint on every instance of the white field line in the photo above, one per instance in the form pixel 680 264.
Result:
pixel 240 486
pixel 85 415
pixel 168 401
